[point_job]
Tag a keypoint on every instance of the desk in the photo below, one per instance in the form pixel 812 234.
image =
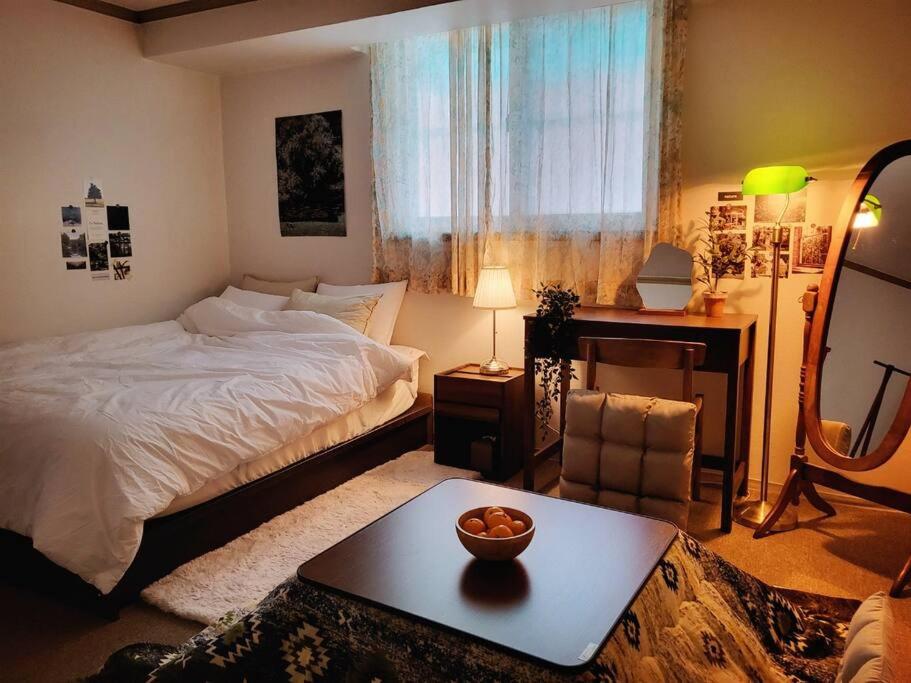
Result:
pixel 730 348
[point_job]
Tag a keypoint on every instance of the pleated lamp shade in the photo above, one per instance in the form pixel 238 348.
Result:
pixel 494 289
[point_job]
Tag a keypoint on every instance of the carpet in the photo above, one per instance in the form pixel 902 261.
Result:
pixel 241 573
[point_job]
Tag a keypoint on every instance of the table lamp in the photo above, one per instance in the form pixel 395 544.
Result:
pixel 494 291
pixel 763 181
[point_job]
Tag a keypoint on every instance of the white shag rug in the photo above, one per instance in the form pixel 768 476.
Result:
pixel 241 573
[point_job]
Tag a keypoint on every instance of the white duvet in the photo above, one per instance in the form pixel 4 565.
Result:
pixel 101 431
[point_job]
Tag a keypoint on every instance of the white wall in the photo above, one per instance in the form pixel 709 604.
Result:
pixel 822 84
pixel 78 99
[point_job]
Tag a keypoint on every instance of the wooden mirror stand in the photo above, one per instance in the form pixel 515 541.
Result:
pixel 818 302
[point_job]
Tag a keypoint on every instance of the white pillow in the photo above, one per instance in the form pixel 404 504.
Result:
pixel 264 302
pixel 382 321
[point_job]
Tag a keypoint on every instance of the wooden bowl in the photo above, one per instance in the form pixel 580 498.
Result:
pixel 495 549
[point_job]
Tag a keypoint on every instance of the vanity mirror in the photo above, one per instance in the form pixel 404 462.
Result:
pixel 855 396
pixel 665 282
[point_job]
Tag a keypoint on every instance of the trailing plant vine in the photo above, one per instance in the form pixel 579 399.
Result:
pixel 556 307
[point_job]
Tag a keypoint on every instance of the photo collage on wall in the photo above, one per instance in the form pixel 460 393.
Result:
pixel 96 237
pixel 803 247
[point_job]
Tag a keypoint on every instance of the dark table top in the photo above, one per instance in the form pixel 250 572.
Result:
pixel 558 602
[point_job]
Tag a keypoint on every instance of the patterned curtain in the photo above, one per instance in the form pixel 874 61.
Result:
pixel 550 145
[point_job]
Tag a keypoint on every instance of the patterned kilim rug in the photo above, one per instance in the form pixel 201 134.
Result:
pixel 242 573
pixel 697 618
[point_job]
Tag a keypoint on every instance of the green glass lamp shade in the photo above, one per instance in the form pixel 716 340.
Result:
pixel 775 180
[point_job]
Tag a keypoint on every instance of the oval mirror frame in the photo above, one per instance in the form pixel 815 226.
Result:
pixel 820 328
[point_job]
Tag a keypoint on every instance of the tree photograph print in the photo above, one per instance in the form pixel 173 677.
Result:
pixel 311 175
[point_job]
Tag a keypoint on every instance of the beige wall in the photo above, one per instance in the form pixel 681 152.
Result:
pixel 250 105
pixel 822 84
pixel 78 99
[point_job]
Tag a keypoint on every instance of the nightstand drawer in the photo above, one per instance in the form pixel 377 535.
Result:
pixel 457 390
pixel 464 411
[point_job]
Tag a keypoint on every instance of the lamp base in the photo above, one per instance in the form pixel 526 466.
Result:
pixel 752 513
pixel 494 366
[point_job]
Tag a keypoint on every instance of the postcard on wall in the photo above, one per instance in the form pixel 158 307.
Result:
pixel 762 265
pixel 762 237
pixel 118 217
pixel 769 206
pixel 811 248
pixel 122 270
pixel 731 243
pixel 730 196
pixel 728 217
pixel 121 244
pixel 96 223
pixel 76 264
pixel 92 194
pixel 72 234
pixel 98 257
pixel 311 175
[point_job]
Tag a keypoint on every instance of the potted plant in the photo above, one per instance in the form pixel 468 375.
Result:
pixel 719 253
pixel 556 307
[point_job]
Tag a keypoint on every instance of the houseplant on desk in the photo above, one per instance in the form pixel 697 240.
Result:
pixel 556 307
pixel 719 253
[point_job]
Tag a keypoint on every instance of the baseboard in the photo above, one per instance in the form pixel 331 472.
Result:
pixel 838 497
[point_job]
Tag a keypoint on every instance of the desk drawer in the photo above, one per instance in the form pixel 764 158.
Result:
pixel 464 411
pixel 454 390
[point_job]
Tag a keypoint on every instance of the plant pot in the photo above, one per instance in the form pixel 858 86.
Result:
pixel 714 303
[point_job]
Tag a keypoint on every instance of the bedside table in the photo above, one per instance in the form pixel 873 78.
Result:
pixel 478 420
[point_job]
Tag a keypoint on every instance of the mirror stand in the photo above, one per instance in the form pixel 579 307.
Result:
pixel 805 476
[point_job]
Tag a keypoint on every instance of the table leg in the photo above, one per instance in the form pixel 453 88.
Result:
pixel 746 423
pixel 734 392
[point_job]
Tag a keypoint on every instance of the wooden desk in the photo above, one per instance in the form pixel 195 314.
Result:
pixel 730 348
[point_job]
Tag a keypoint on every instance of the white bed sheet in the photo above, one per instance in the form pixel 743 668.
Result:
pixel 101 431
pixel 391 403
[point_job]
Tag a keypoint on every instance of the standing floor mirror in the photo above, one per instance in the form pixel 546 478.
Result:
pixel 855 397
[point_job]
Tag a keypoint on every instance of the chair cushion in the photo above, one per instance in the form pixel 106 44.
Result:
pixel 867 656
pixel 632 453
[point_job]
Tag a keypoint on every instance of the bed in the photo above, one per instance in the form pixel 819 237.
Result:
pixel 127 452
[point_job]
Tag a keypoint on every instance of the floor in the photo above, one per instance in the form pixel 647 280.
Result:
pixel 853 554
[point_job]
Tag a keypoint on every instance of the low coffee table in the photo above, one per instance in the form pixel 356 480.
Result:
pixel 557 603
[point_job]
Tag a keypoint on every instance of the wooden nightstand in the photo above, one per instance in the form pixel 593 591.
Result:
pixel 478 420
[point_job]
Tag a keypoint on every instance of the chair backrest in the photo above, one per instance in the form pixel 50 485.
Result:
pixel 642 353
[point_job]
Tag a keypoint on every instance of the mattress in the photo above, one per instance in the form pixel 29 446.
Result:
pixel 390 404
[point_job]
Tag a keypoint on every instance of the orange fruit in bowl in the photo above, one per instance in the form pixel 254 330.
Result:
pixel 501 531
pixel 497 519
pixel 474 526
pixel 517 526
pixel 491 510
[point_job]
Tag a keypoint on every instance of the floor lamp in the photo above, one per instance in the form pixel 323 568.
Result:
pixel 777 180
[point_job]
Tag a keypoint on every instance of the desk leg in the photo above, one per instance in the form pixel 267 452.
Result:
pixel 746 424
pixel 528 426
pixel 734 392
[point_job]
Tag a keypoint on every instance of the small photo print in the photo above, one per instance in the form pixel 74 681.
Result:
pixel 728 217
pixel 71 216
pixel 769 206
pixel 762 238
pixel 733 243
pixel 72 243
pixel 121 245
pixel 98 256
pixel 122 270
pixel 762 265
pixel 93 195
pixel 75 265
pixel 118 217
pixel 811 248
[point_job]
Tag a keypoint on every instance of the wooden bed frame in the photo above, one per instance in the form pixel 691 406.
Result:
pixel 168 542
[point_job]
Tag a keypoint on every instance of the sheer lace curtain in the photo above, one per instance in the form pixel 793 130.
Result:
pixel 547 145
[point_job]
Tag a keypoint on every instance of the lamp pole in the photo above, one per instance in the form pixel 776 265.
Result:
pixel 753 512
